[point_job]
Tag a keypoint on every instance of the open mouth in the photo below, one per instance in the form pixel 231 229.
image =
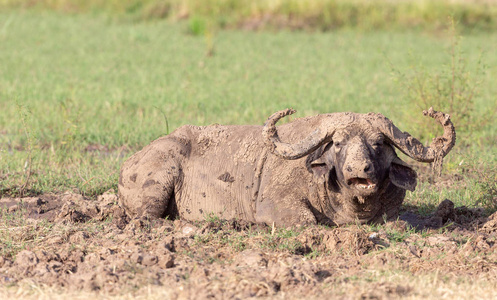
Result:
pixel 361 183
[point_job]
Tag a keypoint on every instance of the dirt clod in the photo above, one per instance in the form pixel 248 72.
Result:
pixel 251 258
pixel 25 261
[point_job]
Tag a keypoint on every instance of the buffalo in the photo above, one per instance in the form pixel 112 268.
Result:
pixel 333 169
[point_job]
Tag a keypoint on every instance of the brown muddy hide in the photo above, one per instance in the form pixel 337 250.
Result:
pixel 331 168
pixel 360 175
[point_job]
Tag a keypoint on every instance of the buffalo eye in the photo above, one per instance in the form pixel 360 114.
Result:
pixel 377 143
pixel 338 146
pixel 339 141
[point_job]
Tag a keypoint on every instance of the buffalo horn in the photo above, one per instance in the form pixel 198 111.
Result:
pixel 414 148
pixel 292 151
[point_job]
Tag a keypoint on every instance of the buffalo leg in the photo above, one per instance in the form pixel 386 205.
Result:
pixel 149 178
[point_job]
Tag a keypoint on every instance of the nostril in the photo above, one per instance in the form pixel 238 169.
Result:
pixel 368 167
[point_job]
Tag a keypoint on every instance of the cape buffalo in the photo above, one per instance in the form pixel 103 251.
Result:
pixel 333 168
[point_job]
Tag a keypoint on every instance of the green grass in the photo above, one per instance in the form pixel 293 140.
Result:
pixel 70 83
pixel 470 180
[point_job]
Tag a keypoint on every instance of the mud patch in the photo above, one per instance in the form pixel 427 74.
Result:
pixel 226 177
pixel 73 243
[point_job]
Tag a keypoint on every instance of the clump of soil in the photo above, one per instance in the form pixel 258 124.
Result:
pixel 73 243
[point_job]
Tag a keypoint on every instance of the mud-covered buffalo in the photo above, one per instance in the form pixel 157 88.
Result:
pixel 336 168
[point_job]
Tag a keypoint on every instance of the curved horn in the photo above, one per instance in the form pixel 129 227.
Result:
pixel 414 148
pixel 291 151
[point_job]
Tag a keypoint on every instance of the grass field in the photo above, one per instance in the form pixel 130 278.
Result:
pixel 79 93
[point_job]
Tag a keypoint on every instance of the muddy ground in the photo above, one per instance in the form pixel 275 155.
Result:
pixel 70 244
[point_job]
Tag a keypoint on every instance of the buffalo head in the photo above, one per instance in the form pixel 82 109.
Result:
pixel 352 155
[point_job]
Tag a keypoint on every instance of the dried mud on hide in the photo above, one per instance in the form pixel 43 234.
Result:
pixel 73 244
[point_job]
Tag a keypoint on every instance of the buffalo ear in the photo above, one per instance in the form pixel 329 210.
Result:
pixel 402 175
pixel 322 172
pixel 319 167
pixel 316 163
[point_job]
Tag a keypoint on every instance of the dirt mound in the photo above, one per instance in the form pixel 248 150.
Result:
pixel 73 243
